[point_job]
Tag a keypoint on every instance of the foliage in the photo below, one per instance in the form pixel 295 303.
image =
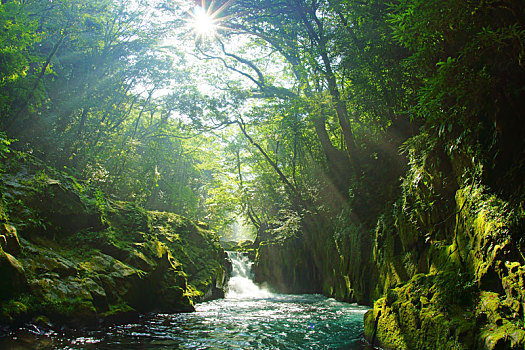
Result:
pixel 287 226
pixel 295 106
pixel 470 71
pixel 18 35
pixel 4 145
pixel 427 186
pixel 84 88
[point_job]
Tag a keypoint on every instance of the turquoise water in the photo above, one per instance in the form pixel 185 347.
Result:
pixel 276 322
pixel 248 318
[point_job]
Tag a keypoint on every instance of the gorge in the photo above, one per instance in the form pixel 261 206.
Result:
pixel 362 162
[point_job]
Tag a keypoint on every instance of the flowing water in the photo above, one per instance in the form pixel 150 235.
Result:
pixel 248 318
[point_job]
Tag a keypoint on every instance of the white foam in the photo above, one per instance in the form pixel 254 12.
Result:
pixel 241 285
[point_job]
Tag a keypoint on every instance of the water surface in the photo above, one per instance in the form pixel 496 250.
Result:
pixel 248 318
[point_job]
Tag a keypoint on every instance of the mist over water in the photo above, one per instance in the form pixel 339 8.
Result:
pixel 248 318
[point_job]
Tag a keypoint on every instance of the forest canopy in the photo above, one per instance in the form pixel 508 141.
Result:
pixel 258 108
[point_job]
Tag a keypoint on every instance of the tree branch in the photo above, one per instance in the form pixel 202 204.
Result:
pixel 291 188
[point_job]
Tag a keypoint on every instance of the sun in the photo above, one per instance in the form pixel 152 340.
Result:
pixel 205 21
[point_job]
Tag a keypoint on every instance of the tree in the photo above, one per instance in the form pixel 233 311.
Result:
pixel 468 60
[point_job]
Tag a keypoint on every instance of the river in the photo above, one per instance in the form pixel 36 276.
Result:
pixel 248 318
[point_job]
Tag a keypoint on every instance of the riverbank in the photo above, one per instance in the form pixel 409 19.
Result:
pixel 72 256
pixel 248 317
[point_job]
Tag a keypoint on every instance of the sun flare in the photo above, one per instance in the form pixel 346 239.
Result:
pixel 203 23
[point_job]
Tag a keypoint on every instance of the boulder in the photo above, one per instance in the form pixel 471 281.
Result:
pixel 12 276
pixel 9 239
pixel 197 250
pixel 164 288
pixel 65 210
pixel 66 300
pixel 50 263
pixel 77 270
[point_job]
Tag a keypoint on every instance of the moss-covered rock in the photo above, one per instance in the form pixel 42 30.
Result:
pixel 420 315
pixel 9 239
pixel 501 318
pixel 198 250
pixel 12 276
pixel 82 259
pixel 462 288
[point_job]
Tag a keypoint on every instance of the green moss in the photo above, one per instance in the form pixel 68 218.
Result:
pixel 504 336
pixel 128 219
pixel 431 312
pixel 369 322
pixel 118 309
pixel 421 314
pixel 504 327
pixel 74 267
pixel 77 307
pixel 13 309
pixel 408 315
pixel 389 331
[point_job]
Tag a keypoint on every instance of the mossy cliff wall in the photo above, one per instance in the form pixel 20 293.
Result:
pixel 460 288
pixel 68 255
pixel 443 266
pixel 314 260
pixel 286 265
pixel 449 257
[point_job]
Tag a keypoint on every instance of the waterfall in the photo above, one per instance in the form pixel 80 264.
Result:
pixel 241 284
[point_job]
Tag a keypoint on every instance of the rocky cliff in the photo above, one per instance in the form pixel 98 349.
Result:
pixel 450 262
pixel 442 265
pixel 71 256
